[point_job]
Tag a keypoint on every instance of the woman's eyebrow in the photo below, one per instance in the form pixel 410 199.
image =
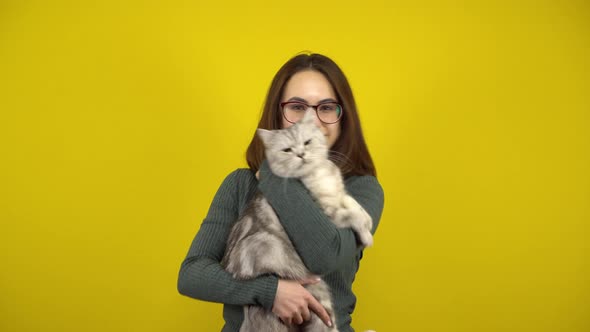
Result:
pixel 327 100
pixel 298 99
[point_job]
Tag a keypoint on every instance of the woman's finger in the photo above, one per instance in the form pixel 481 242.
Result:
pixel 310 280
pixel 297 318
pixel 287 321
pixel 319 309
pixel 305 314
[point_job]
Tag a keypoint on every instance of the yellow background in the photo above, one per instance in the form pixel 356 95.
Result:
pixel 119 119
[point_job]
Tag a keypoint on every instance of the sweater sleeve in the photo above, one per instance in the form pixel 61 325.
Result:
pixel 321 245
pixel 201 274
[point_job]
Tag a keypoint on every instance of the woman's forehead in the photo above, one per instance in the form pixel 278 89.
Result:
pixel 308 86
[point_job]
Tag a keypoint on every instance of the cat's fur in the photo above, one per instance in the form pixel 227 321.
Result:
pixel 258 244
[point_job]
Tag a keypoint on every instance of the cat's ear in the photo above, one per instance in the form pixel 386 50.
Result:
pixel 308 117
pixel 265 135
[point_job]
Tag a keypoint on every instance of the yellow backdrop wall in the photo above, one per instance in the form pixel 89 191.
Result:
pixel 119 119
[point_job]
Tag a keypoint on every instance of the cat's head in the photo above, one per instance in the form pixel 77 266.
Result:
pixel 297 150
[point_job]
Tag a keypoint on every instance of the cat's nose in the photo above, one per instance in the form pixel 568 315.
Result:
pixel 301 155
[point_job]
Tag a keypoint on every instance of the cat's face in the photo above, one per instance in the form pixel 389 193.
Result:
pixel 297 150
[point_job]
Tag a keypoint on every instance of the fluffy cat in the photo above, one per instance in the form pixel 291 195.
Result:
pixel 258 244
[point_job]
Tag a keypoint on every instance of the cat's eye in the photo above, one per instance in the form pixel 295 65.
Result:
pixel 307 142
pixel 287 150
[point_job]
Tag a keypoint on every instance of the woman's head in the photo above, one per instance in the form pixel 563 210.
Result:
pixel 314 79
pixel 311 89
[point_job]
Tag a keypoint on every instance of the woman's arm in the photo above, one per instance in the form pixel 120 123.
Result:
pixel 201 275
pixel 321 245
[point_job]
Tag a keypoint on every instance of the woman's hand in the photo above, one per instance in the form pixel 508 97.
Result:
pixel 293 302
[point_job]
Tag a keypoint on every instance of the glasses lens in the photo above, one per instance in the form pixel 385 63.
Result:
pixel 329 112
pixel 294 111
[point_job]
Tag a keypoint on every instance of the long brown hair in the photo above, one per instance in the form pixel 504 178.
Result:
pixel 350 151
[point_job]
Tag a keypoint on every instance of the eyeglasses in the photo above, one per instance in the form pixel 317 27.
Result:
pixel 328 112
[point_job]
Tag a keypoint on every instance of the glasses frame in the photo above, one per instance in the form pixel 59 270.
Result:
pixel 315 108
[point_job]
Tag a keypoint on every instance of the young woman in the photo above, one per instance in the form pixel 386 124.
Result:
pixel 304 82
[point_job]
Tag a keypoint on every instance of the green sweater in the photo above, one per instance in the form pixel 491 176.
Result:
pixel 326 250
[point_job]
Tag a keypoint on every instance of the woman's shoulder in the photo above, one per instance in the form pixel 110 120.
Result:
pixel 241 179
pixel 361 178
pixel 241 174
pixel 363 182
pixel 243 183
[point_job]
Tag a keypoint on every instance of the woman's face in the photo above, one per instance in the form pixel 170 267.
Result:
pixel 312 88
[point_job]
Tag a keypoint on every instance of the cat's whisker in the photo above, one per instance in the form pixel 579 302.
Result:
pixel 340 159
pixel 337 154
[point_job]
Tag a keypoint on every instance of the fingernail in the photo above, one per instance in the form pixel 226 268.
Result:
pixel 330 323
pixel 318 279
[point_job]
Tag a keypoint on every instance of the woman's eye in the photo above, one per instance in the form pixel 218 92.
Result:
pixel 287 150
pixel 307 142
pixel 297 107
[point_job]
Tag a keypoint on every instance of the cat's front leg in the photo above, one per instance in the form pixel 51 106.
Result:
pixel 359 220
pixel 363 230
pixel 361 216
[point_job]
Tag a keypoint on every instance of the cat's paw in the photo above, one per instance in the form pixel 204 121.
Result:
pixel 365 219
pixel 341 218
pixel 363 226
pixel 357 212
pixel 356 217
pixel 365 237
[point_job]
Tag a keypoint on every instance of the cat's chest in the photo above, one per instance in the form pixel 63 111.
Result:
pixel 325 180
